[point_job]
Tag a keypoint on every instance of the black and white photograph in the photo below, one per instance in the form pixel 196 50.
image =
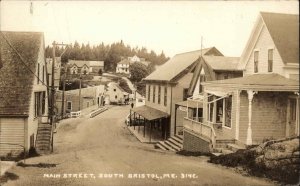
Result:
pixel 149 93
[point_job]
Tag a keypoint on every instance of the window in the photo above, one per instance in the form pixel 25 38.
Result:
pixel 228 105
pixel 219 105
pixel 38 73
pixel 69 105
pixel 202 79
pixel 116 96
pixel 270 60
pixel 293 105
pixel 185 94
pixel 153 93
pixel 115 90
pixel 256 61
pixel 31 140
pixel 149 86
pixel 39 103
pixel 165 95
pixel 158 99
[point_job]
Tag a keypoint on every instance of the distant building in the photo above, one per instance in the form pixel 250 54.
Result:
pixel 89 97
pixel 115 94
pixel 124 64
pixel 85 67
pixel 23 90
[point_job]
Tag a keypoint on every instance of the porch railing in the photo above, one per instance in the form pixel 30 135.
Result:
pixel 201 129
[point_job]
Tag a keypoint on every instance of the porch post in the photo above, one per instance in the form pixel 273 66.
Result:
pixel 197 112
pixel 187 107
pixel 144 127
pixel 130 117
pixel 237 117
pixel 139 123
pixel 134 121
pixel 150 131
pixel 249 130
pixel 297 116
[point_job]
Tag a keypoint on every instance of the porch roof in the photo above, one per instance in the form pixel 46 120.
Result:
pixel 191 104
pixel 262 82
pixel 149 113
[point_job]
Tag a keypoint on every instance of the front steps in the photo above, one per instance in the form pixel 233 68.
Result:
pixel 172 144
pixel 226 146
pixel 43 139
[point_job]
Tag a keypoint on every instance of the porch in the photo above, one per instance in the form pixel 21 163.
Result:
pixel 149 125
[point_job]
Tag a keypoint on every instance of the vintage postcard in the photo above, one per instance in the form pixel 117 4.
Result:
pixel 149 93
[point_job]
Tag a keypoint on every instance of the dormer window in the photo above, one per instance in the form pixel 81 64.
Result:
pixel 256 61
pixel 270 60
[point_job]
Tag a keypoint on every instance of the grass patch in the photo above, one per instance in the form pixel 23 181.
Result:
pixel 39 165
pixel 8 176
pixel 188 153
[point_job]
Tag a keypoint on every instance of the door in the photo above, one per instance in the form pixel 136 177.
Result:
pixel 292 117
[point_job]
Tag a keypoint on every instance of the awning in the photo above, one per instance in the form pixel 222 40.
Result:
pixel 149 113
pixel 191 104
pixel 218 93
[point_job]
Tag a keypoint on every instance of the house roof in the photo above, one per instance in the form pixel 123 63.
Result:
pixel 222 62
pixel 16 80
pixel 124 61
pixel 79 63
pixel 284 30
pixel 180 62
pixel 149 113
pixel 97 63
pixel 258 81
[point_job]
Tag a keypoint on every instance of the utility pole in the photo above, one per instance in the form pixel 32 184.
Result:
pixel 80 78
pixel 52 114
pixel 63 95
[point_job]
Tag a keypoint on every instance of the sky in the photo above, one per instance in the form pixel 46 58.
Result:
pixel 172 27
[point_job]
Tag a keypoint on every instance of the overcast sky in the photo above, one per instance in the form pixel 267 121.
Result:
pixel 173 27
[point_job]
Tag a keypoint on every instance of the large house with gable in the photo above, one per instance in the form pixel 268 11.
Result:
pixel 85 67
pixel 164 88
pixel 23 90
pixel 264 103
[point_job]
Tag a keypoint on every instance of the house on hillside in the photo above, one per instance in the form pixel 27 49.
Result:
pixel 209 68
pixel 264 103
pixel 85 67
pixel 166 86
pixel 116 95
pixel 123 65
pixel 23 90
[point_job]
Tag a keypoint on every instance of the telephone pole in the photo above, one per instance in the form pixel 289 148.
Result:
pixel 52 114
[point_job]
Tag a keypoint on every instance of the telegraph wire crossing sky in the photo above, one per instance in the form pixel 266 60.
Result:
pixel 172 27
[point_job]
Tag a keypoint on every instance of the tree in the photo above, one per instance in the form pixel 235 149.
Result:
pixel 138 71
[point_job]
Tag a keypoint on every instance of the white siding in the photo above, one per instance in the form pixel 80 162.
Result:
pixel 11 131
pixel 262 45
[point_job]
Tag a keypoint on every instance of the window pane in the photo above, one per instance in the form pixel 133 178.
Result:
pixel 270 60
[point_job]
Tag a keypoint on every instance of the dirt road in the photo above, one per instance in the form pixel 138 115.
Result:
pixel 101 151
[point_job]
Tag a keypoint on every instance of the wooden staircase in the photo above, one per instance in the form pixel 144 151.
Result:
pixel 172 144
pixel 43 138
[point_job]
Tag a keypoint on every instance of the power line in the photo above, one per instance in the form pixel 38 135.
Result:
pixel 22 60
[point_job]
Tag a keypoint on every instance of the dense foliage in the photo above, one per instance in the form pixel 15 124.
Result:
pixel 110 54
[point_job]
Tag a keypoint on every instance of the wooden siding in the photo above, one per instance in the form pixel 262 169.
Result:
pixel 268 116
pixel 264 43
pixel 12 131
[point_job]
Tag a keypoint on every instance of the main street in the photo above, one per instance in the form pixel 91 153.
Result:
pixel 96 147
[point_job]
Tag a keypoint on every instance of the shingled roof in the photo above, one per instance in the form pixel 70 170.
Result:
pixel 222 62
pixel 180 62
pixel 16 80
pixel 284 30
